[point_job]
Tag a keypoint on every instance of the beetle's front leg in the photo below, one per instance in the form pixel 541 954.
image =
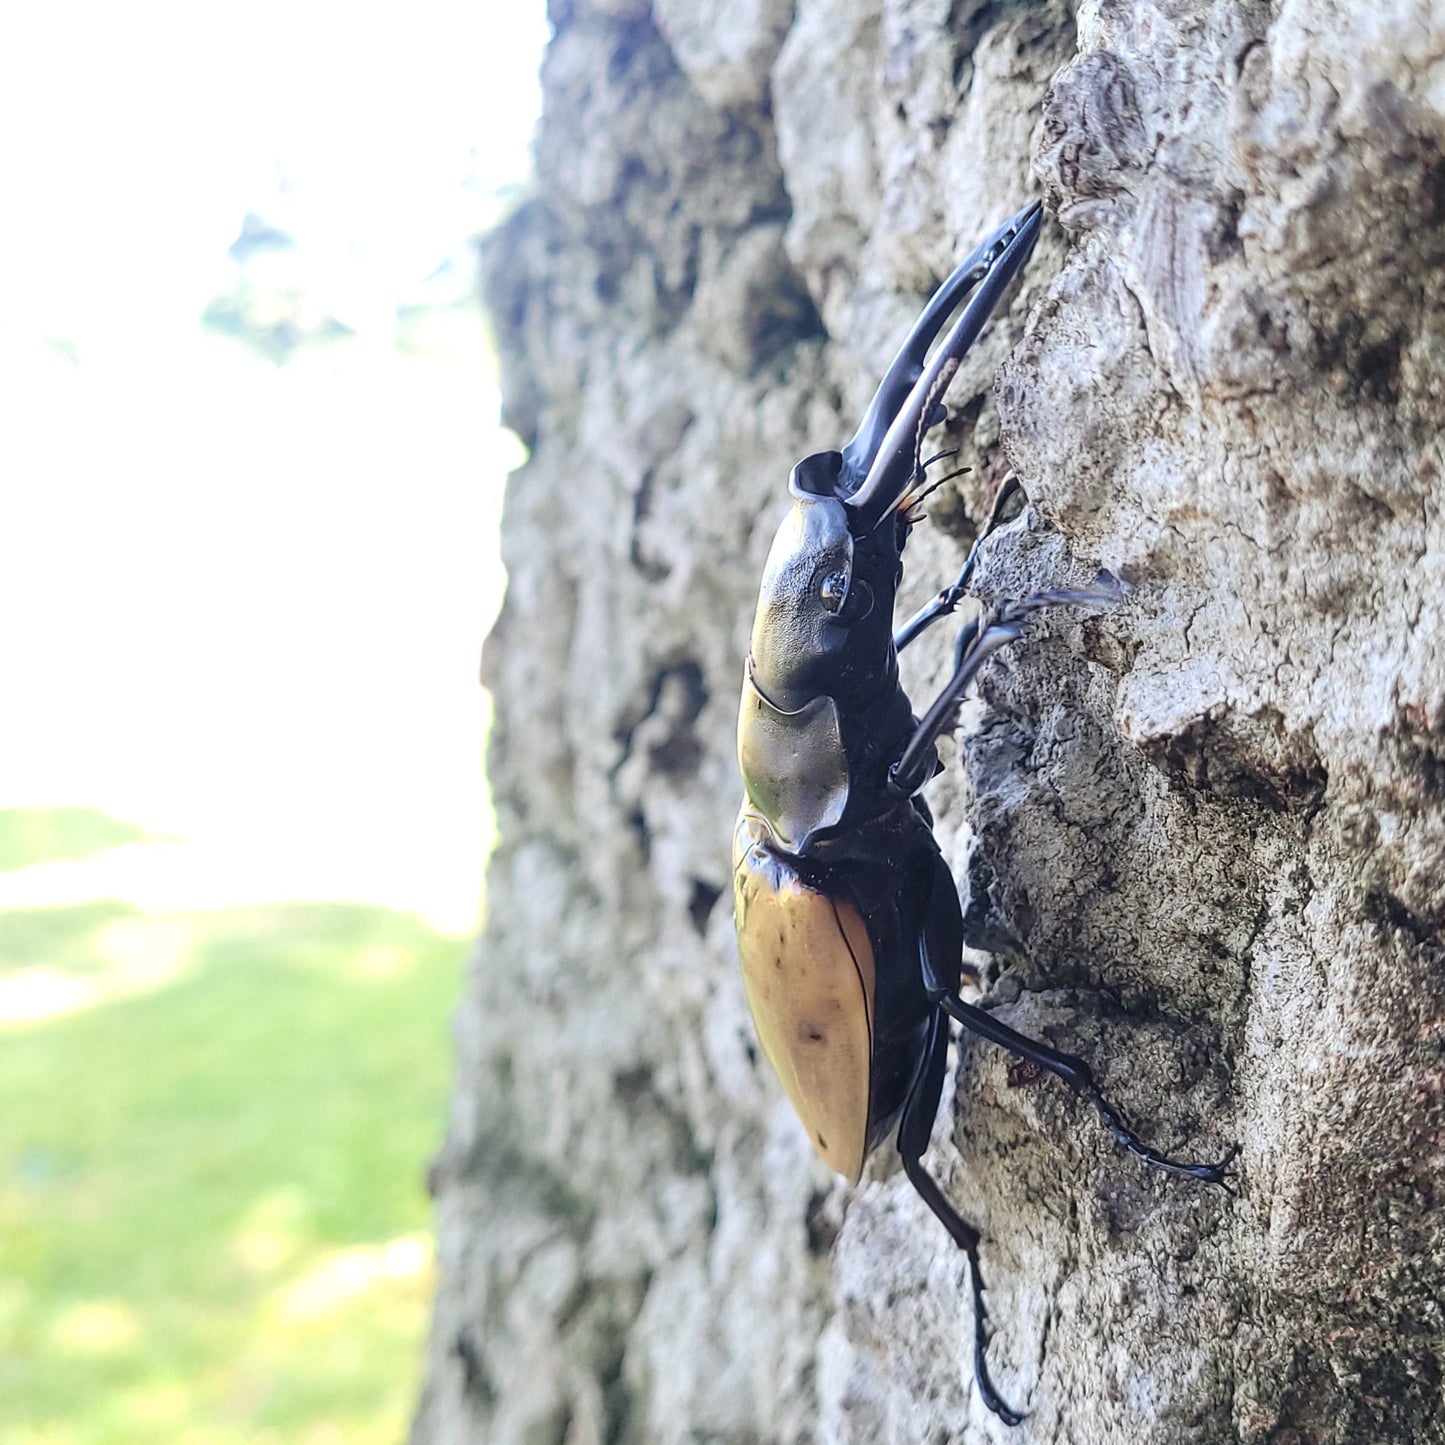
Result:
pixel 947 601
pixel 941 946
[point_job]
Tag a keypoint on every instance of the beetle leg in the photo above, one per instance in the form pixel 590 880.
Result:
pixel 978 641
pixel 941 943
pixel 947 600
pixel 1080 1078
pixel 919 1112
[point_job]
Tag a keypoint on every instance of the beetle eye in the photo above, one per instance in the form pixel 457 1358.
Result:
pixel 834 591
pixel 860 601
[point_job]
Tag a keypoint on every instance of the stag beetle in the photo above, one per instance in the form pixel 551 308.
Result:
pixel 848 921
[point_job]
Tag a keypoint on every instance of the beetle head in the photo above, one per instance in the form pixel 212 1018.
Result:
pixel 825 611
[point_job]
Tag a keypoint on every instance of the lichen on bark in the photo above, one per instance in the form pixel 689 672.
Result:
pixel 1200 839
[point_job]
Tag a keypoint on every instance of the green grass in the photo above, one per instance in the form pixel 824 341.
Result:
pixel 45 835
pixel 213 1223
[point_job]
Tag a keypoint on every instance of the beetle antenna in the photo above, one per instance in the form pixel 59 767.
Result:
pixel 909 505
pixel 914 513
pixel 959 472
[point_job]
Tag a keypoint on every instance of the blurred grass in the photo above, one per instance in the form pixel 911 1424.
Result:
pixel 213 1223
pixel 48 835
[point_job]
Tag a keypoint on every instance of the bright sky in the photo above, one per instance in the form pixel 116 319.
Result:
pixel 240 605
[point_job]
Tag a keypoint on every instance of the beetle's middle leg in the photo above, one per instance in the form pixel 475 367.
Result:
pixel 919 1112
pixel 941 941
pixel 977 641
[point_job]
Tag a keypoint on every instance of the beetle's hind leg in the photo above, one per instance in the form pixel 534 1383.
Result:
pixel 940 945
pixel 919 1111
pixel 1080 1078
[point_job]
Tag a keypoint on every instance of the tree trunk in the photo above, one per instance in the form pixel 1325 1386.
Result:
pixel 1199 839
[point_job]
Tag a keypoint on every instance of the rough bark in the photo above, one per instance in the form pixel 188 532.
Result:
pixel 1200 839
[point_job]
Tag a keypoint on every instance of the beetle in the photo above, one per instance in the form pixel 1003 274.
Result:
pixel 850 931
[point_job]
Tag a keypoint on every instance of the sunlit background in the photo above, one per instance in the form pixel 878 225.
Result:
pixel 251 479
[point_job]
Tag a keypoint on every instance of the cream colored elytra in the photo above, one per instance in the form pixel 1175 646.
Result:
pixel 809 974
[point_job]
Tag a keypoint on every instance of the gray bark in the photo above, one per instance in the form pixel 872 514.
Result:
pixel 1199 839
